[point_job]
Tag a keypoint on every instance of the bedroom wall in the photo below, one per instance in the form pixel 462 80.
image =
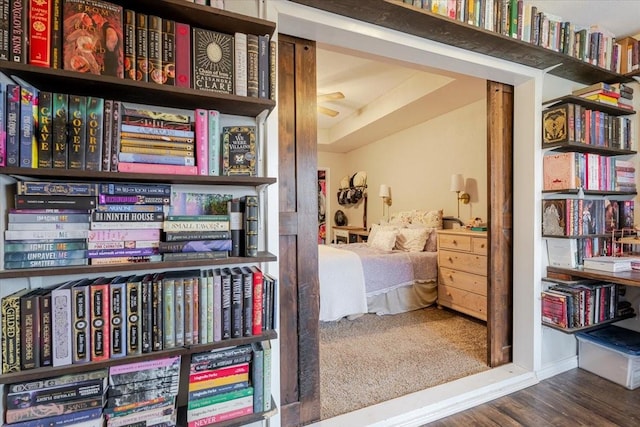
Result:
pixel 417 164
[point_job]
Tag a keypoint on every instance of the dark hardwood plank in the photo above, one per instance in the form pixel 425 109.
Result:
pixel 575 397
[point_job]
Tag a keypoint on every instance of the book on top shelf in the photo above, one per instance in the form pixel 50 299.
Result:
pixel 93 37
pixel 213 62
pixel 611 264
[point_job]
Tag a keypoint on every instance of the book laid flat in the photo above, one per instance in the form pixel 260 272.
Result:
pixel 609 263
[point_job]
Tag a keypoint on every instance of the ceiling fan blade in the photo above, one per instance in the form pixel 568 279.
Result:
pixel 328 111
pixel 330 96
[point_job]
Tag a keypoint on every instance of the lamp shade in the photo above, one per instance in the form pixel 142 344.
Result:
pixel 457 182
pixel 384 191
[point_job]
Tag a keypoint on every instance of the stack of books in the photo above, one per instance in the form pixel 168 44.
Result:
pixel 49 225
pixel 600 92
pixel 154 139
pixel 219 385
pixel 143 392
pixel 626 96
pixel 65 400
pixel 134 212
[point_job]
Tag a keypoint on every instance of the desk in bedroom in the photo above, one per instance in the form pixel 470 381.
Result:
pixel 349 234
pixel 462 271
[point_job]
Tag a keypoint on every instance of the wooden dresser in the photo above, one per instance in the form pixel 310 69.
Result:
pixel 462 271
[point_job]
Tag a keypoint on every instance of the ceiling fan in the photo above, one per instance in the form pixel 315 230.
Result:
pixel 332 96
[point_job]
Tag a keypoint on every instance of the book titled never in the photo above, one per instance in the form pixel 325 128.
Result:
pixel 609 263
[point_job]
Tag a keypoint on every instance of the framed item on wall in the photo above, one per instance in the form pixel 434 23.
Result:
pixel 323 204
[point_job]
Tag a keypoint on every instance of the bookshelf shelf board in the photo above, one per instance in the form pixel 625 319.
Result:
pixel 574 192
pixel 248 181
pixel 600 106
pixel 399 16
pixel 629 278
pixel 588 328
pixel 48 79
pixel 587 148
pixel 162 265
pixel 49 371
pixel 202 16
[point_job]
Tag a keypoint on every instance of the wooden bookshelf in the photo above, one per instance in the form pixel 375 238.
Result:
pixel 399 16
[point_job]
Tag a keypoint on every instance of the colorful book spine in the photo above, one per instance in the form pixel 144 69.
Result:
pixel 62 393
pixel 142 47
pixel 71 418
pixel 122 235
pixel 18 30
pixel 11 347
pixel 49 188
pixel 154 49
pixel 107 135
pixel 235 413
pixel 251 226
pixel 56 34
pixel 217 305
pixel 77 131
pixel 214 143
pixel 45 235
pixel 118 318
pixel 257 376
pixel 116 188
pixel 81 318
pixel 100 321
pixel 168 52
pixel 94 134
pixel 116 113
pixel 12 149
pixel 157 169
pixel 257 283
pixel 61 321
pixel 132 305
pixel 129 44
pixel 156 159
pixel 241 368
pixel 28 149
pixel 126 252
pixel 155 314
pixel 40 17
pixel 240 68
pixel 45 128
pixel 183 54
pixel 252 65
pixel 4 29
pixel 202 141
pixel 266 348
pixel 46 338
pixel 60 119
pixel 272 69
pixel 142 199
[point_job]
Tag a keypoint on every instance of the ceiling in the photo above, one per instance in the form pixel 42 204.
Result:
pixel 382 97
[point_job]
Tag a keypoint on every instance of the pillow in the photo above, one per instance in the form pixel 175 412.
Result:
pixel 412 239
pixel 401 218
pixel 376 227
pixel 429 218
pixel 384 239
pixel 431 245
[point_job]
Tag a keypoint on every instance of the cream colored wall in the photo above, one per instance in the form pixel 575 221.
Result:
pixel 417 164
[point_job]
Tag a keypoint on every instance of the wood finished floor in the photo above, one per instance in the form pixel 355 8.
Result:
pixel 573 398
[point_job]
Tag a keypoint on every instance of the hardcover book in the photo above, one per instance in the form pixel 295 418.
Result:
pixel 59 132
pixel 168 52
pixel 93 37
pixel 239 151
pixel 11 346
pixel 12 149
pixel 142 47
pixel 40 16
pixel 560 171
pixel 45 128
pixel 129 44
pixel 252 65
pixel 213 61
pixel 19 10
pixel 94 134
pixel 155 49
pixel 183 55
pixel 77 131
pixel 56 35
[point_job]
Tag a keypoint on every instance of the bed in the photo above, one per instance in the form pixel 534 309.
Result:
pixel 394 272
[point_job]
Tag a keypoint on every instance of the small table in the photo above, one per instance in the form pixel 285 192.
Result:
pixel 349 234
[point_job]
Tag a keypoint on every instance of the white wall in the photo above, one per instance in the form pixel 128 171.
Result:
pixel 417 164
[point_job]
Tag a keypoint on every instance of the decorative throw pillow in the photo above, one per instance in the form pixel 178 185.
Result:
pixel 412 239
pixel 384 239
pixel 429 219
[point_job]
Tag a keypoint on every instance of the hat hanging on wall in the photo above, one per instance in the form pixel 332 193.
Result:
pixel 344 182
pixel 340 218
pixel 359 179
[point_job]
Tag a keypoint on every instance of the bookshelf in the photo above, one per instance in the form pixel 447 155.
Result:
pixel 399 16
pixel 251 108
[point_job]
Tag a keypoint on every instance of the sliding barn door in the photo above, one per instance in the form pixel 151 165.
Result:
pixel 297 183
pixel 500 191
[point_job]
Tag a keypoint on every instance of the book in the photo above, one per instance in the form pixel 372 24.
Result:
pixel 247 301
pixel 239 151
pixel 250 226
pixel 600 86
pixel 56 381
pixel 154 49
pixel 45 128
pixel 129 49
pixel 93 42
pixel 107 135
pixel 116 188
pixel 54 202
pixel 18 34
pixel 214 142
pixel 53 409
pixel 40 17
pixel 257 376
pixel 168 52
pixel 142 46
pixel 236 209
pixel 212 72
pixel 100 309
pixel 56 34
pixel 180 236
pixel 140 199
pixel 54 394
pixel 257 301
pixel 80 419
pixel 196 226
pixel 60 188
pixel 77 132
pixel 560 171
pixel 240 65
pixel 183 256
pixel 81 321
pixel 59 132
pixel 61 321
pixel 94 134
pixel 225 302
pixel 252 65
pixel 10 335
pixel 5 14
pixel 562 252
pixel 28 115
pixel 12 149
pixel 237 313
pixel 229 415
pixel 608 263
pixel 272 69
pixel 157 169
pixel 183 55
pixel 266 386
pixel 263 66
pixel 195 246
pixel 202 140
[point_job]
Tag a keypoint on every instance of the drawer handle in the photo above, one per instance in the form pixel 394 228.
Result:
pixel 482 246
pixel 455 242
pixel 451 276
pixel 450 259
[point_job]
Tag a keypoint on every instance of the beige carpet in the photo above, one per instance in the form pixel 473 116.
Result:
pixel 377 358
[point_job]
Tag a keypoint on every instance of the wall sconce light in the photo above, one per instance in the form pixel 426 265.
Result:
pixel 457 185
pixel 385 195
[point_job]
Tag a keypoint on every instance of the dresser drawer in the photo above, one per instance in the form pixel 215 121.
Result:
pixel 453 241
pixel 466 281
pixel 465 302
pixel 470 263
pixel 479 245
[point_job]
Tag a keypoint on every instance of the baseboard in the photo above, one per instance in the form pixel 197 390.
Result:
pixel 446 399
pixel 556 368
